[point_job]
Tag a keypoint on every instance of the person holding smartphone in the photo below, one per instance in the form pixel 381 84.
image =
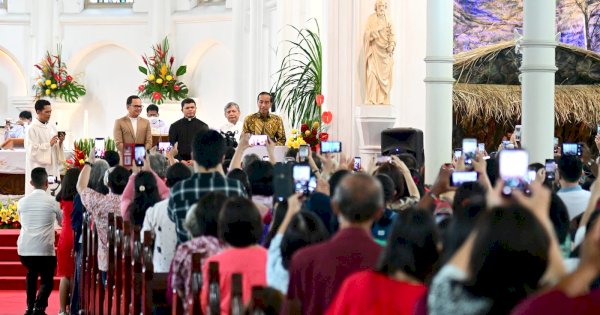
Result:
pixel 132 129
pixel 265 123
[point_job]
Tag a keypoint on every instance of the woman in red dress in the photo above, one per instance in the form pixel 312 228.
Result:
pixel 64 252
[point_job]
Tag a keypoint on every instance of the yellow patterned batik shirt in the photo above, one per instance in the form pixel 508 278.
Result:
pixel 272 126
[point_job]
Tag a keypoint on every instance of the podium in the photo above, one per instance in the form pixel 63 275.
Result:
pixel 159 138
pixel 278 151
pixel 13 143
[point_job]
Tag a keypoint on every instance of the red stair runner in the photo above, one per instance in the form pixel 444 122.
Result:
pixel 12 273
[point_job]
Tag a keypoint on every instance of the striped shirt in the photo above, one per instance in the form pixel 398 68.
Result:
pixel 187 192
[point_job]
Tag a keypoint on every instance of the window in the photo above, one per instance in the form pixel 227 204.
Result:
pixel 107 3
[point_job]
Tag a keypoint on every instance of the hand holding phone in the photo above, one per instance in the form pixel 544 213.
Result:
pixel 331 147
pixel 357 164
pixel 301 175
pixel 139 154
pixel 303 152
pixel 258 140
pixel 514 170
pixel 469 150
pixel 459 178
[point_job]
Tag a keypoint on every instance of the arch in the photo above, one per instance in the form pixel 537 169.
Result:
pixel 17 66
pixel 77 59
pixel 195 56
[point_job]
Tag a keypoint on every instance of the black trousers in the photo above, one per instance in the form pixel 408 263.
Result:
pixel 44 268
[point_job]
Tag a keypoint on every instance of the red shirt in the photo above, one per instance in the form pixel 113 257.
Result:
pixel 370 292
pixel 317 271
pixel 556 302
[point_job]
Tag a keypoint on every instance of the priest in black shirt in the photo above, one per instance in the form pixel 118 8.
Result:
pixel 183 131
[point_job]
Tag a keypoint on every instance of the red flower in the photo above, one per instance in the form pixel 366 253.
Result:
pixel 176 87
pixel 171 60
pixel 304 127
pixel 323 136
pixel 141 87
pixel 320 99
pixel 56 77
pixel 69 78
pixel 156 96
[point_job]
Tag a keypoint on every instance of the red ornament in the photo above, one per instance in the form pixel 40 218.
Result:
pixel 69 78
pixel 141 87
pixel 327 117
pixel 156 96
pixel 323 136
pixel 320 99
pixel 176 88
pixel 303 128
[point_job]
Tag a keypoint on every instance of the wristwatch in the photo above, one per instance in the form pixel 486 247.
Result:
pixel 88 163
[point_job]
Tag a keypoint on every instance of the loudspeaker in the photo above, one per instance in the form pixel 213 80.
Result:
pixel 403 140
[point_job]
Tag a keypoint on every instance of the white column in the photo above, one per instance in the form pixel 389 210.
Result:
pixel 438 81
pixel 160 19
pixel 538 68
pixel 239 53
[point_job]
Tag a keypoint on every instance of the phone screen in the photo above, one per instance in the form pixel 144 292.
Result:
pixel 331 147
pixel 458 178
pixel 514 169
pixel 570 149
pixel 357 163
pixel 382 159
pixel 140 154
pixel 532 174
pixel 598 129
pixel 99 147
pixel 481 147
pixel 164 147
pixel 518 132
pixel 303 152
pixel 301 175
pixel 266 158
pixel 51 179
pixel 550 169
pixel 257 140
pixel 457 154
pixel 312 184
pixel 469 150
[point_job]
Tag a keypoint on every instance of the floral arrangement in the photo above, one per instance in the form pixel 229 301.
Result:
pixel 54 80
pixel 83 148
pixel 161 83
pixel 9 217
pixel 311 133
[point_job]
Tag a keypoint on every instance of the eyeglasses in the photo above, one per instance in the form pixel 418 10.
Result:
pixel 138 106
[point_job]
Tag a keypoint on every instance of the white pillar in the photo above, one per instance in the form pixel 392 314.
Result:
pixel 438 81
pixel 538 68
pixel 160 20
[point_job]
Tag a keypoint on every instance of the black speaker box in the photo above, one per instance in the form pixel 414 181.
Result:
pixel 403 140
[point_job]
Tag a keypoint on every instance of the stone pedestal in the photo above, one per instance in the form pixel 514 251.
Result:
pixel 371 120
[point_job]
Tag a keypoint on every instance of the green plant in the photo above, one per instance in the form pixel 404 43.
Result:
pixel 54 80
pixel 109 145
pixel 299 79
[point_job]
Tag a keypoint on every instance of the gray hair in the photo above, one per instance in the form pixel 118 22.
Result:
pixel 248 159
pixel 231 104
pixel 358 197
pixel 190 224
pixel 97 174
pixel 159 164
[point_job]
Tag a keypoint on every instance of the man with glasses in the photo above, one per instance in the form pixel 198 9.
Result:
pixel 132 129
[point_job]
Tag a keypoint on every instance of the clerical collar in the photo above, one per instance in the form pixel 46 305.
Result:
pixel 189 119
pixel 43 123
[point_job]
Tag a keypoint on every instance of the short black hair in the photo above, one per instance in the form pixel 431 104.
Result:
pixel 570 168
pixel 559 216
pixel 206 214
pixel 264 93
pixel 240 174
pixel 335 179
pixel 176 173
pixel 240 224
pixel 40 104
pixel 112 158
pixel 131 98
pixel 305 228
pixel 396 175
pixel 152 107
pixel 68 186
pixel 389 189
pixel 25 114
pixel 209 148
pixel 358 197
pixel 117 179
pixel 187 101
pixel 260 176
pixel 39 177
pixel 411 246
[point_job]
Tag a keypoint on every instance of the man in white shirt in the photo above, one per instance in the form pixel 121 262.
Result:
pixel 159 126
pixel 575 198
pixel 35 245
pixel 17 130
pixel 233 128
pixel 43 144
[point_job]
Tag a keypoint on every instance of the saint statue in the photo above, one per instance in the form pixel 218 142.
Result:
pixel 379 45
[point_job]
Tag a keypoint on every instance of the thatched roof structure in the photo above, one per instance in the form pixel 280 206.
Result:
pixel 487 95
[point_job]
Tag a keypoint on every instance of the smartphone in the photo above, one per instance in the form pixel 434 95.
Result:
pixel 555 145
pixel 301 175
pixel 290 160
pixel 139 154
pixel 51 179
pixel 303 152
pixel 164 147
pixel 505 144
pixel 62 133
pixel 312 184
pixel 518 132
pixel 550 169
pixel 598 129
pixel 331 147
pixel 266 158
pixel 283 184
pixel 514 170
pixel 99 147
pixel 382 159
pixel 457 154
pixel 531 175
pixel 458 178
pixel 258 140
pixel 357 163
pixel 574 149
pixel 481 147
pixel 469 150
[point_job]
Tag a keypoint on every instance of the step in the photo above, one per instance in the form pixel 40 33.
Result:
pixel 8 237
pixel 12 268
pixel 9 253
pixel 18 283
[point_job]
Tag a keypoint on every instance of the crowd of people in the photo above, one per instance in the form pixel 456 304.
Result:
pixel 372 240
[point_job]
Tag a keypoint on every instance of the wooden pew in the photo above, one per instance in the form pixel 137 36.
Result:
pixel 136 300
pixel 84 254
pixel 93 269
pixel 118 287
pixel 99 288
pixel 154 287
pixel 194 305
pixel 126 265
pixel 110 273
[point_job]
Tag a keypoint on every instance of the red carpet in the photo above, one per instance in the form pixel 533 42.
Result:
pixel 13 303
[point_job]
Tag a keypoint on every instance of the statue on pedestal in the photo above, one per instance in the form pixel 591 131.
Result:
pixel 379 46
